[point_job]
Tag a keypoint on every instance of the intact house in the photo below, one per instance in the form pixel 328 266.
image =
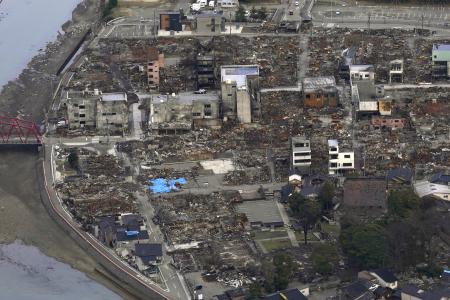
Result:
pixel 301 153
pixel 147 254
pixel 365 192
pixel 290 294
pixel 96 110
pixel 340 160
pixel 434 190
pixel 440 59
pixel 366 96
pixel 320 92
pixel 240 91
pixel 261 213
pixel 382 277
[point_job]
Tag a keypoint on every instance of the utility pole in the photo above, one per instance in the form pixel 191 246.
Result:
pixel 368 22
pixel 422 23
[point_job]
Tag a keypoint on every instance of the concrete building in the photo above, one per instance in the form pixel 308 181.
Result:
pixel 365 94
pixel 97 110
pixel 206 77
pixel 227 3
pixel 209 23
pixel 396 71
pixel 155 61
pixel 378 122
pixel 362 72
pixel 170 21
pixel 319 92
pixel 301 152
pixel 339 160
pixel 112 112
pixel 440 61
pixel 205 113
pixel 240 92
pixel 81 109
pixel 178 113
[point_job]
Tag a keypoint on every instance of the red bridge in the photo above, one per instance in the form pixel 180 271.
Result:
pixel 18 131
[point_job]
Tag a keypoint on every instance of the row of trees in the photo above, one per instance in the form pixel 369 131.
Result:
pixel 401 240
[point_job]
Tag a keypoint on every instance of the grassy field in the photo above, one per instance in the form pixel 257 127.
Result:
pixel 300 237
pixel 272 245
pixel 261 235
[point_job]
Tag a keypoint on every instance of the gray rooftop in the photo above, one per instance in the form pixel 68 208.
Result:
pixel 366 90
pixel 238 73
pixel 441 47
pixel 260 211
pixel 314 83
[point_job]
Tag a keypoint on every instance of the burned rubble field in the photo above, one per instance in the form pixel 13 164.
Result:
pixel 107 64
pixel 377 47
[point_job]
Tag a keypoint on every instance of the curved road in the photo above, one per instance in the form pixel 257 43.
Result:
pixel 154 292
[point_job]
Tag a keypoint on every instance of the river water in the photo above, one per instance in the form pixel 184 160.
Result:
pixel 26 26
pixel 29 239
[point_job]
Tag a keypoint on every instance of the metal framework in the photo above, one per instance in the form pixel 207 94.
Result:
pixel 18 131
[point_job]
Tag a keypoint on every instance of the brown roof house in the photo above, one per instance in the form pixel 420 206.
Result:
pixel 365 192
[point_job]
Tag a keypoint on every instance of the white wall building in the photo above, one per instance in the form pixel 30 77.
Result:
pixel 301 152
pixel 362 72
pixel 228 3
pixel 339 160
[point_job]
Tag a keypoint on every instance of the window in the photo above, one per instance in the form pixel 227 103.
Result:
pixel 82 115
pixel 347 165
pixel 82 107
pixel 207 105
pixel 300 161
pixel 229 95
pixel 334 156
pixel 82 122
pixel 308 96
pixel 347 156
pixel 196 114
pixel 75 115
pixel 333 165
pixel 302 154
pixel 207 114
pixel 333 149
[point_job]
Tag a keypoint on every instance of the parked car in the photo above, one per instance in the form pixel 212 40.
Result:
pixel 200 91
pixel 296 3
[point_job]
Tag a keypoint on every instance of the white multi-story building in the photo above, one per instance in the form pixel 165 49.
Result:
pixel 228 3
pixel 339 160
pixel 301 152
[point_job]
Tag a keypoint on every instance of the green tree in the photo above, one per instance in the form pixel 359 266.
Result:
pixel 73 160
pixel 254 291
pixel 262 13
pixel 401 203
pixel 278 272
pixel 307 211
pixel 253 13
pixel 240 14
pixel 364 245
pixel 324 258
pixel 326 195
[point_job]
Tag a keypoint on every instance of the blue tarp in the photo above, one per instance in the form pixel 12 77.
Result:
pixel 131 232
pixel 161 185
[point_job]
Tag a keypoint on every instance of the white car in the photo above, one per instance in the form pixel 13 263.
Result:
pixel 296 3
pixel 338 12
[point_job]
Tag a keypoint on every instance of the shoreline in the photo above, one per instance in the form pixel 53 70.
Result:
pixel 29 95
